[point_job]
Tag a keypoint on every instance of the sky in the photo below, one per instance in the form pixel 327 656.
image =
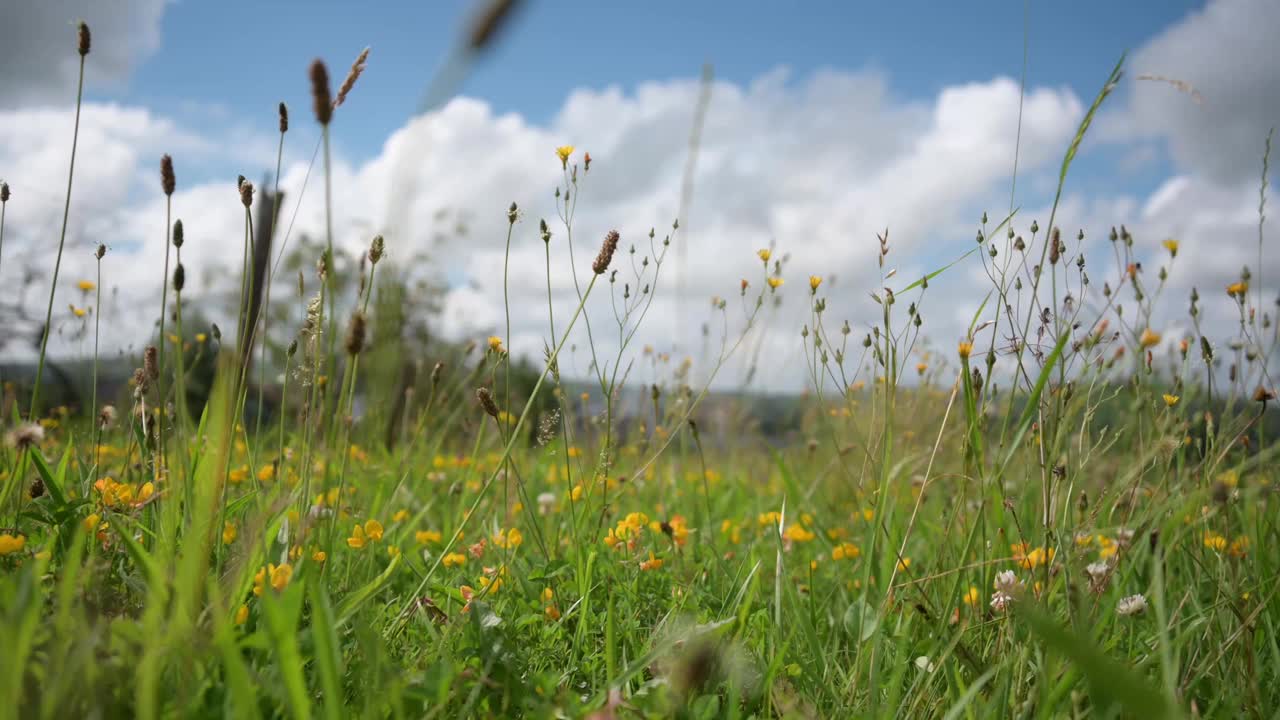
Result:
pixel 827 124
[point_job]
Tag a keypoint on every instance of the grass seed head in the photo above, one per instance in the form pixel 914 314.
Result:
pixel 246 193
pixel 4 192
pixel 606 253
pixel 357 68
pixel 83 38
pixel 284 118
pixel 355 334
pixel 486 401
pixel 167 179
pixel 178 238
pixel 179 278
pixel 320 97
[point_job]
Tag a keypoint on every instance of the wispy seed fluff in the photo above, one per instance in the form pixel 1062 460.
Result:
pixel 486 401
pixel 83 38
pixel 320 97
pixel 353 74
pixel 167 180
pixel 355 333
pixel 177 233
pixel 606 253
pixel 284 118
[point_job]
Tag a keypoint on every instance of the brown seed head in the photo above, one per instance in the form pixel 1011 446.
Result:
pixel 82 32
pixel 151 362
pixel 177 233
pixel 167 180
pixel 606 253
pixel 320 98
pixel 1263 395
pixel 355 333
pixel 102 250
pixel 375 249
pixel 488 22
pixel 486 401
pixel 4 192
pixel 246 193
pixel 353 74
pixel 284 118
pixel 179 278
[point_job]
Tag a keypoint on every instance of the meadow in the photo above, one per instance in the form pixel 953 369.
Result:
pixel 1062 513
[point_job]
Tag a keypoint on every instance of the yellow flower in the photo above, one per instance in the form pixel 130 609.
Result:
pixel 775 282
pixel 797 533
pixel 971 597
pixel 1149 338
pixel 1172 246
pixel 373 529
pixel 921 367
pixel 427 536
pixel 513 537
pixel 845 550
pixel 1170 400
pixel 814 282
pixel 764 254
pixel 201 337
pixel 280 576
pixel 563 152
pixel 78 312
pixel 357 539
pixel 653 563
pixel 553 613
pixel 393 551
pixel 242 615
pixel 267 472
pixel 238 475
pixel 1238 289
pixel 400 516
pixel 86 285
pixel 454 560
pixel 91 522
pixel 10 544
pixel 965 348
pixel 548 594
pixel 319 556
pixel 1215 542
pixel 495 344
pixel 228 533
pixel 903 564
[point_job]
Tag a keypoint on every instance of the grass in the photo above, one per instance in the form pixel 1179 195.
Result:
pixel 1056 519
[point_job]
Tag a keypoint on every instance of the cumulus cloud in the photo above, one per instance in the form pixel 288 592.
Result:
pixel 37 50
pixel 1227 53
pixel 815 166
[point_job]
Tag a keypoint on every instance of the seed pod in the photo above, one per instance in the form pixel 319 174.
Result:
pixel 83 38
pixel 179 278
pixel 177 233
pixel 355 334
pixel 4 192
pixel 167 180
pixel 284 118
pixel 322 102
pixel 606 253
pixel 486 401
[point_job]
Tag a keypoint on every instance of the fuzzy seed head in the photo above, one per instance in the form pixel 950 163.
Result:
pixel 178 238
pixel 179 278
pixel 606 252
pixel 151 362
pixel 167 179
pixel 4 192
pixel 284 118
pixel 320 97
pixel 376 249
pixel 246 193
pixel 355 334
pixel 353 74
pixel 102 250
pixel 83 38
pixel 24 436
pixel 486 401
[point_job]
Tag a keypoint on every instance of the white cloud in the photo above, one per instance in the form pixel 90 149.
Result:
pixel 1227 52
pixel 38 53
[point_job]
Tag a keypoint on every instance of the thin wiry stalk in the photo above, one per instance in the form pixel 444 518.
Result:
pixel 62 241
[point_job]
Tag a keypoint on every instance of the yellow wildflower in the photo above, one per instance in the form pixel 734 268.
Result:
pixel 86 285
pixel 373 529
pixel 454 560
pixel 764 254
pixel 357 539
pixel 1149 338
pixel 228 533
pixel 1170 400
pixel 10 544
pixel 427 536
pixel 971 597
pixel 563 152
pixel 653 563
pixel 495 344
pixel 814 282
pixel 242 615
pixel 1172 246
pixel 965 348
pixel 400 516
pixel 775 282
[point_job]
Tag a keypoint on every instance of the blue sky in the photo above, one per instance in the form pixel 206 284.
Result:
pixel 827 124
pixel 241 59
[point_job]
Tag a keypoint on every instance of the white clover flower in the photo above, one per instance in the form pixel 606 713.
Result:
pixel 1000 601
pixel 1007 582
pixel 1132 605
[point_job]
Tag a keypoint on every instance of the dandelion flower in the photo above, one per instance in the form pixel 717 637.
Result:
pixel 1149 338
pixel 775 282
pixel 86 285
pixel 965 349
pixel 1172 246
pixel 495 344
pixel 1237 289
pixel 1170 400
pixel 1132 605
pixel 563 152
pixel 764 254
pixel 814 282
